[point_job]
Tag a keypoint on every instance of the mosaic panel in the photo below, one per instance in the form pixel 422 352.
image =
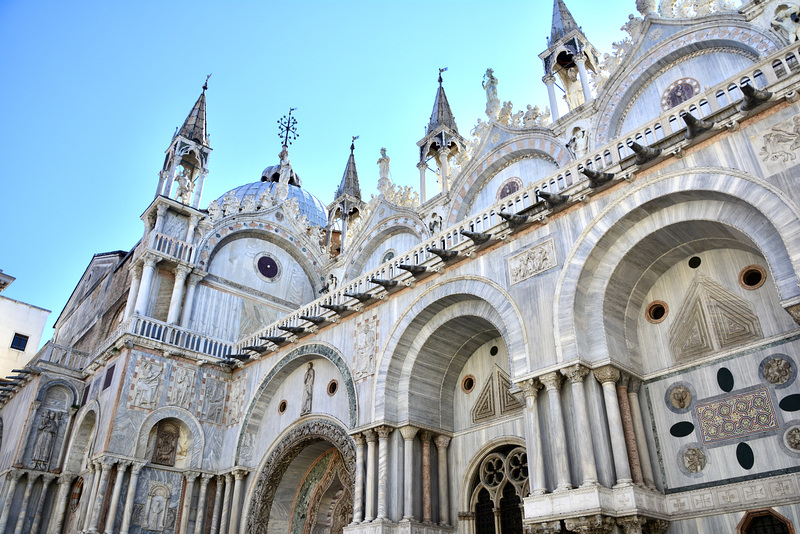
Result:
pixel 736 416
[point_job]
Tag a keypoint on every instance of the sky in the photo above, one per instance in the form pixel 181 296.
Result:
pixel 91 94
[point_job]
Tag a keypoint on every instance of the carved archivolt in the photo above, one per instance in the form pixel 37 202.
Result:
pixel 279 459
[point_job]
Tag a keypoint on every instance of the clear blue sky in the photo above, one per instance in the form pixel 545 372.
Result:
pixel 92 92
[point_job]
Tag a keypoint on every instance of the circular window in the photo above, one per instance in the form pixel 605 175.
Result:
pixel 694 262
pixel 267 267
pixel 333 387
pixel 511 186
pixel 752 277
pixel 656 311
pixel 678 92
pixel 388 256
pixel 282 407
pixel 468 384
pixel 493 351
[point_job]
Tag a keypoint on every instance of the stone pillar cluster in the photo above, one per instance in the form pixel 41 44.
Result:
pixel 373 475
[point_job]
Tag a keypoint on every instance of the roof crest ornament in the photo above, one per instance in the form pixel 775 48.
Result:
pixel 205 85
pixel 440 75
pixel 288 128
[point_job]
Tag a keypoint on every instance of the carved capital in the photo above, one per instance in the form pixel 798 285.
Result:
pixel 575 373
pixel 228 478
pixel 441 442
pixel 195 277
pixel 549 79
pixel 161 210
pixel 631 524
pixel 656 526
pixel 190 476
pixel 408 432
pixel 136 271
pixel 422 165
pixel 530 387
pixel 425 436
pixel 358 439
pixel 384 431
pixel 595 524
pixel 14 474
pixel 137 468
pixel 65 479
pixel 551 381
pixel 205 478
pixel 239 473
pixel 624 379
pixel 150 260
pixel 370 436
pixel 606 374
pixel 634 385
pixel 181 272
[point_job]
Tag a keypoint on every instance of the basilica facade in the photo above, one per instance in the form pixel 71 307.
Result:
pixel 590 326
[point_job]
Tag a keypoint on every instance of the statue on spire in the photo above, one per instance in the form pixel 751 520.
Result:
pixel 383 166
pixel 492 102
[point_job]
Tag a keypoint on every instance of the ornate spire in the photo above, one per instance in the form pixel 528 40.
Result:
pixel 349 185
pixel 441 115
pixel 194 127
pixel 563 22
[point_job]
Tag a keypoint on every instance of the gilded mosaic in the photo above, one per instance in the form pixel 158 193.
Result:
pixel 736 416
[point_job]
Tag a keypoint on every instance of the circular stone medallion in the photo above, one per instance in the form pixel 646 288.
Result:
pixel 267 267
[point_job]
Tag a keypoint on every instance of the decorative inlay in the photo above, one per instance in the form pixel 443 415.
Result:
pixel 736 416
pixel 484 407
pixel 531 262
pixel 680 397
pixel 267 267
pixel 752 277
pixel 495 398
pixel 792 438
pixel 777 371
pixel 679 91
pixel 694 459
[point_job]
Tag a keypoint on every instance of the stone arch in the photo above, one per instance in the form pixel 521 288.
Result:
pixel 192 425
pixel 382 230
pixel 83 437
pixel 291 443
pixel 464 493
pixel 718 198
pixel 467 184
pixel 254 418
pixel 490 311
pixel 622 89
pixel 42 394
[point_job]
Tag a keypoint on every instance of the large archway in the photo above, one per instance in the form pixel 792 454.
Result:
pixel 289 496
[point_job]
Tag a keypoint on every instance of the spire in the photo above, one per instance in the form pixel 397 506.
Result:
pixel 563 22
pixel 441 115
pixel 194 127
pixel 349 186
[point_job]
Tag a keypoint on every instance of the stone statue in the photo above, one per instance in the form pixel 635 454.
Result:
pixel 514 120
pixel 383 168
pixel 144 391
pixel 633 26
pixel 308 390
pixel 578 143
pixel 286 166
pixel 787 21
pixel 156 512
pixel 185 186
pixel 505 113
pixel 46 437
pixel 529 119
pixel 574 92
pixel 249 204
pixel 214 211
pixel 480 129
pixel 490 86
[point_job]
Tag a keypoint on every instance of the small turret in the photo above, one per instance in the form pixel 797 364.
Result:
pixel 347 205
pixel 187 157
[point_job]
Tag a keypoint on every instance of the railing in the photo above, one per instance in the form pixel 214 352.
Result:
pixel 63 356
pixel 178 337
pixel 724 95
pixel 171 246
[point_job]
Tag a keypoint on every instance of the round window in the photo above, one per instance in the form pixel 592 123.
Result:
pixel 333 387
pixel 752 277
pixel 282 407
pixel 656 311
pixel 468 384
pixel 267 267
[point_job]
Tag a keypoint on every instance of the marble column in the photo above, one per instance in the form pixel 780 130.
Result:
pixel 97 507
pixel 638 429
pixel 181 272
pixel 37 518
pixel 130 495
pixel 193 220
pixel 608 376
pixel 198 190
pixel 369 512
pixel 112 508
pixel 201 504
pixel 23 510
pixel 217 505
pixel 408 433
pixel 188 302
pixel 423 169
pixel 358 497
pixel 148 271
pixel 444 502
pixel 236 505
pixel 576 374
pixel 550 82
pixel 187 501
pixel 87 512
pixel 136 278
pixel 444 168
pixel 627 428
pixel 11 486
pixel 533 440
pixel 580 61
pixel 427 510
pixel 60 506
pixel 552 383
pixel 383 470
pixel 226 505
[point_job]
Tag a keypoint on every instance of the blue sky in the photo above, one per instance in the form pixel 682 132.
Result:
pixel 92 92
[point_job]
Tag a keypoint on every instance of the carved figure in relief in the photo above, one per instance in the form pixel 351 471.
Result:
pixel 480 129
pixel 45 438
pixel 633 26
pixel 365 350
pixel 185 186
pixel 154 518
pixel 772 149
pixel 574 92
pixel 249 204
pixel 166 444
pixel 308 390
pixel 215 401
pixel 787 21
pixel 236 401
pixel 777 371
pixel 230 204
pixel 183 387
pixel 793 438
pixel 214 211
pixel 505 113
pixel 578 143
pixel 531 263
pixel 694 460
pixel 144 391
pixel 680 397
pixel 531 116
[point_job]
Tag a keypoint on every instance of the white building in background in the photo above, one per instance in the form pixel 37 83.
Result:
pixel 21 327
pixel 590 326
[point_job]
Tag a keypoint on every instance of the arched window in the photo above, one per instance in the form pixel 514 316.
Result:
pixel 678 92
pixel 509 187
pixel 764 521
pixel 499 484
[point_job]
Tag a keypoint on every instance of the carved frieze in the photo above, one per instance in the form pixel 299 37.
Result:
pixel 182 393
pixel 532 261
pixel 214 400
pixel 365 347
pixel 236 401
pixel 146 384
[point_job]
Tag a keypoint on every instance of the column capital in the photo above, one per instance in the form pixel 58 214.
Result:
pixel 220 478
pixel 530 387
pixel 383 431
pixel 193 220
pixel 579 58
pixel 422 165
pixel 228 478
pixel 161 210
pixel 15 474
pixel 190 476
pixel 182 271
pixel 425 435
pixel 205 478
pixel 606 374
pixel 65 478
pixel 408 432
pixel 150 260
pixel 442 441
pixel 239 473
pixel 47 478
pixel 551 381
pixel 195 277
pixel 549 79
pixel 358 439
pixel 575 373
pixel 137 467
pixel 634 385
pixel 369 434
pixel 136 270
pixel 624 379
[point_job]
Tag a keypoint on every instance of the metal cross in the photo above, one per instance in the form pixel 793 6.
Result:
pixel 288 128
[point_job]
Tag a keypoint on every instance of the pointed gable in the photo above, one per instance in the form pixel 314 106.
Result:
pixel 349 185
pixel 563 22
pixel 441 114
pixel 194 127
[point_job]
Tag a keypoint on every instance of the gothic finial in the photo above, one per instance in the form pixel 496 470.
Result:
pixel 205 85
pixel 440 74
pixel 288 128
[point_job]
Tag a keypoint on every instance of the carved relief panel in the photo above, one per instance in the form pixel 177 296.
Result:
pixel 182 391
pixel 166 444
pixel 214 400
pixel 146 381
pixel 365 347
pixel 532 261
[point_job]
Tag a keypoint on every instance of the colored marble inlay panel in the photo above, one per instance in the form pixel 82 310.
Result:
pixel 736 416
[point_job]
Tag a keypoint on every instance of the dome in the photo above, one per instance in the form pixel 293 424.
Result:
pixel 310 206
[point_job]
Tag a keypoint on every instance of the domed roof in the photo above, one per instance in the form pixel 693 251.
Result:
pixel 310 206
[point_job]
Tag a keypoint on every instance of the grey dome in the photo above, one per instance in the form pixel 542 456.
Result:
pixel 310 206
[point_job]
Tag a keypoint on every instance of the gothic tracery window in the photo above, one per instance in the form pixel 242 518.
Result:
pixel 498 488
